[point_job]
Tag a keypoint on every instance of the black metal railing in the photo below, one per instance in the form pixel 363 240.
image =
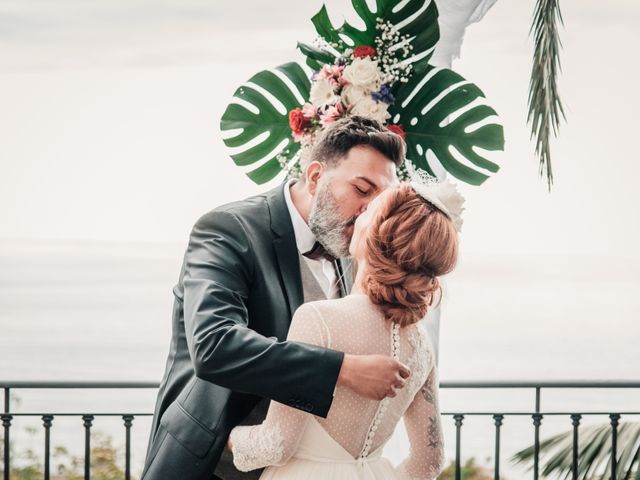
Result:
pixel 498 417
pixel 87 420
pixel 537 416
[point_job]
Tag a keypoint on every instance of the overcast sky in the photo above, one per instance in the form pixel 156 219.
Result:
pixel 109 114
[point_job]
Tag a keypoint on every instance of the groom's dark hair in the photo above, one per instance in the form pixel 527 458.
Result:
pixel 334 143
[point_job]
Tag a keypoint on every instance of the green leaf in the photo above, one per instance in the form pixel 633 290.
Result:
pixel 421 106
pixel 594 452
pixel 316 57
pixel 423 29
pixel 268 120
pixel 545 106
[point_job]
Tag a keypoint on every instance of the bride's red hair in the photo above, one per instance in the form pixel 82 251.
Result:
pixel 409 244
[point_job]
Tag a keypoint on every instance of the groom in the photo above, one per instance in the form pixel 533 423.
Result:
pixel 247 268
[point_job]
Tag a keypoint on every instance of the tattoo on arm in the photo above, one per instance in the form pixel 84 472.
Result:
pixel 433 433
pixel 428 393
pixel 433 429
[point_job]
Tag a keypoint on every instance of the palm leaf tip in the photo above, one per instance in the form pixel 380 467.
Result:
pixel 544 104
pixel 594 453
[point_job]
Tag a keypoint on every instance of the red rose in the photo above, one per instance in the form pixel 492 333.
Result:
pixel 298 122
pixel 397 129
pixel 364 51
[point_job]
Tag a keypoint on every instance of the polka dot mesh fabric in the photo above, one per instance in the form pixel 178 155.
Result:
pixel 354 325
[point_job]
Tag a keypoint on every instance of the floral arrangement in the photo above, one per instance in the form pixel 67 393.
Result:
pixel 381 71
pixel 359 82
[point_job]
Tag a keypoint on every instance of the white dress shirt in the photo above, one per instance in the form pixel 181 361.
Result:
pixel 322 269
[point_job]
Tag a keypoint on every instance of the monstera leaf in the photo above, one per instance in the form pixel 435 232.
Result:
pixel 416 18
pixel 424 106
pixel 434 106
pixel 316 57
pixel 267 119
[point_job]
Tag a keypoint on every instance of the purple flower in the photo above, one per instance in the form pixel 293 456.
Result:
pixel 384 95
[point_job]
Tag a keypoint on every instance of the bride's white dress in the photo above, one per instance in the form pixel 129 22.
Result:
pixel 348 444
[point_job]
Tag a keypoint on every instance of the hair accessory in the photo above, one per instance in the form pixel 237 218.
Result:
pixel 442 194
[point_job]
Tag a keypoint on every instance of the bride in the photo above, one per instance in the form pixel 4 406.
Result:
pixel 402 243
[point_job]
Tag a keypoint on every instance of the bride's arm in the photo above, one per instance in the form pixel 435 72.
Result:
pixel 275 440
pixel 424 429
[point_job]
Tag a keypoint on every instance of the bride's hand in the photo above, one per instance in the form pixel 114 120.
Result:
pixel 373 376
pixel 229 444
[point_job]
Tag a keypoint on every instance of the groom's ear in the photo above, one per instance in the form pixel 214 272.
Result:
pixel 313 174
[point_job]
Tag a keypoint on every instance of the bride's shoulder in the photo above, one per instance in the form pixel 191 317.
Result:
pixel 419 336
pixel 348 306
pixel 316 309
pixel 422 357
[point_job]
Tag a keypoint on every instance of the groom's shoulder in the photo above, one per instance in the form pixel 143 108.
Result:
pixel 249 213
pixel 248 207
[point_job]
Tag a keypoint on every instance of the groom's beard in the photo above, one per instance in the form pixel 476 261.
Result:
pixel 328 225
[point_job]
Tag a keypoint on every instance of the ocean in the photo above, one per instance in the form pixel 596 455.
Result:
pixel 101 311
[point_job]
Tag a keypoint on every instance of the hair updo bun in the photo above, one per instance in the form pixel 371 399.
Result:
pixel 409 244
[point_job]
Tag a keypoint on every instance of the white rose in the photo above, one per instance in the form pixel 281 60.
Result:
pixel 368 107
pixel 363 73
pixel 353 94
pixel 322 93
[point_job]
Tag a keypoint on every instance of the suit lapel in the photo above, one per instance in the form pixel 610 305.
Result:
pixel 286 250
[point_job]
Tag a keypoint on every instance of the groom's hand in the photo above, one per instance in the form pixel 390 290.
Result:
pixel 373 376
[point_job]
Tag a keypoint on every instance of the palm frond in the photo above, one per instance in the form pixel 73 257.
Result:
pixel 544 102
pixel 594 453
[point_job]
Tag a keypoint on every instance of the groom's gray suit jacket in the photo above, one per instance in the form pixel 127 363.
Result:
pixel 239 285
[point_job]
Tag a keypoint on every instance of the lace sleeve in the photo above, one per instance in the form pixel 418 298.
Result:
pixel 276 439
pixel 426 456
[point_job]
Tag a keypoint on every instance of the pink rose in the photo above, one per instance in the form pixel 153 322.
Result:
pixel 331 114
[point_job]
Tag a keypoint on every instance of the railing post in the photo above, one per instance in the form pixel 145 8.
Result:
pixel 6 423
pixel 458 418
pixel 498 422
pixel 615 418
pixel 537 420
pixel 128 420
pixel 46 423
pixel 88 421
pixel 575 421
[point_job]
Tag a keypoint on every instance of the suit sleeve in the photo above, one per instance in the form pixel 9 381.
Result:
pixel 275 440
pixel 218 269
